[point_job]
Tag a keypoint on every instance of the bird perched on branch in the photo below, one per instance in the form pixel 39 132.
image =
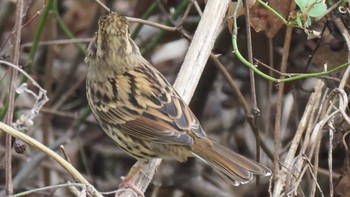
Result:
pixel 138 108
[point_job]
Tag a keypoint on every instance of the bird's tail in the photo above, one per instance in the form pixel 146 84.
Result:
pixel 232 167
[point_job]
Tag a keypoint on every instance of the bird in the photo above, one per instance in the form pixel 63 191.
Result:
pixel 143 114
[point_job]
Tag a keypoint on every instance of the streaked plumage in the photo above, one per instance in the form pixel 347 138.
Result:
pixel 138 108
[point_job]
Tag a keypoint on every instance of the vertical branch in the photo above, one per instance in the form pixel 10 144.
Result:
pixel 250 56
pixel 16 39
pixel 267 104
pixel 200 48
pixel 346 37
pixel 290 160
pixel 255 109
pixel 277 129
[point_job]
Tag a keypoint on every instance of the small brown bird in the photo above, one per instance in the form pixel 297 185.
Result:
pixel 138 108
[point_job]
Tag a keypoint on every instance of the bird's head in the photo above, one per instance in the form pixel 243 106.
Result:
pixel 112 46
pixel 113 26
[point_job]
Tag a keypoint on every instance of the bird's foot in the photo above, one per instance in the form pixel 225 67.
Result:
pixel 127 184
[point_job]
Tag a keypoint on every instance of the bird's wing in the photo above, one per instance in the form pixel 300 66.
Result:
pixel 145 106
pixel 170 123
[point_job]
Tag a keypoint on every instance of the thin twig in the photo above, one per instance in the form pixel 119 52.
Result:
pixel 314 176
pixel 280 182
pixel 24 73
pixel 58 42
pixel 330 156
pixel 346 37
pixel 103 5
pixel 271 69
pixel 36 144
pixel 315 115
pixel 314 185
pixel 277 127
pixel 317 131
pixel 198 8
pixel 268 104
pixel 16 40
pixel 184 17
pixel 250 59
pixel 254 106
pixel 153 24
pixel 52 187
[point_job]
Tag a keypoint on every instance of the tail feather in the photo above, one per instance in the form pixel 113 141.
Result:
pixel 232 167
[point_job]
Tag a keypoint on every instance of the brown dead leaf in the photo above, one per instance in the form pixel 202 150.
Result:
pixel 263 20
pixel 260 18
pixel 231 9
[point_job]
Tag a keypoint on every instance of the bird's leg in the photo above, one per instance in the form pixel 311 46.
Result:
pixel 127 181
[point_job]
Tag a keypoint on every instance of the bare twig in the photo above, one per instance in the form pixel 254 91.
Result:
pixel 250 59
pixel 66 165
pixel 53 187
pixel 150 23
pixel 254 106
pixel 290 158
pixel 198 8
pixel 268 104
pixel 16 39
pixel 346 37
pixel 314 185
pixel 314 176
pixel 35 160
pixel 315 115
pixel 13 66
pixel 103 5
pixel 277 128
pixel 330 156
pixel 137 20
pixel 58 42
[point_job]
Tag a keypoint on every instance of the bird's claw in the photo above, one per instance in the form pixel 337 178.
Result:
pixel 127 184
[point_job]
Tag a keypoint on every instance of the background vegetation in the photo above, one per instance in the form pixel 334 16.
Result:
pixel 275 88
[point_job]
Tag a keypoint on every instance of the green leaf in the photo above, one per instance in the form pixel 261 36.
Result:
pixel 318 10
pixel 298 20
pixel 302 4
pixel 318 7
pixel 308 21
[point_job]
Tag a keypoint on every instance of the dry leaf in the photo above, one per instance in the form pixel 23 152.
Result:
pixel 263 20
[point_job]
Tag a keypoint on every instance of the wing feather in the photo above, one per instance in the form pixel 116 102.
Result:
pixel 159 115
